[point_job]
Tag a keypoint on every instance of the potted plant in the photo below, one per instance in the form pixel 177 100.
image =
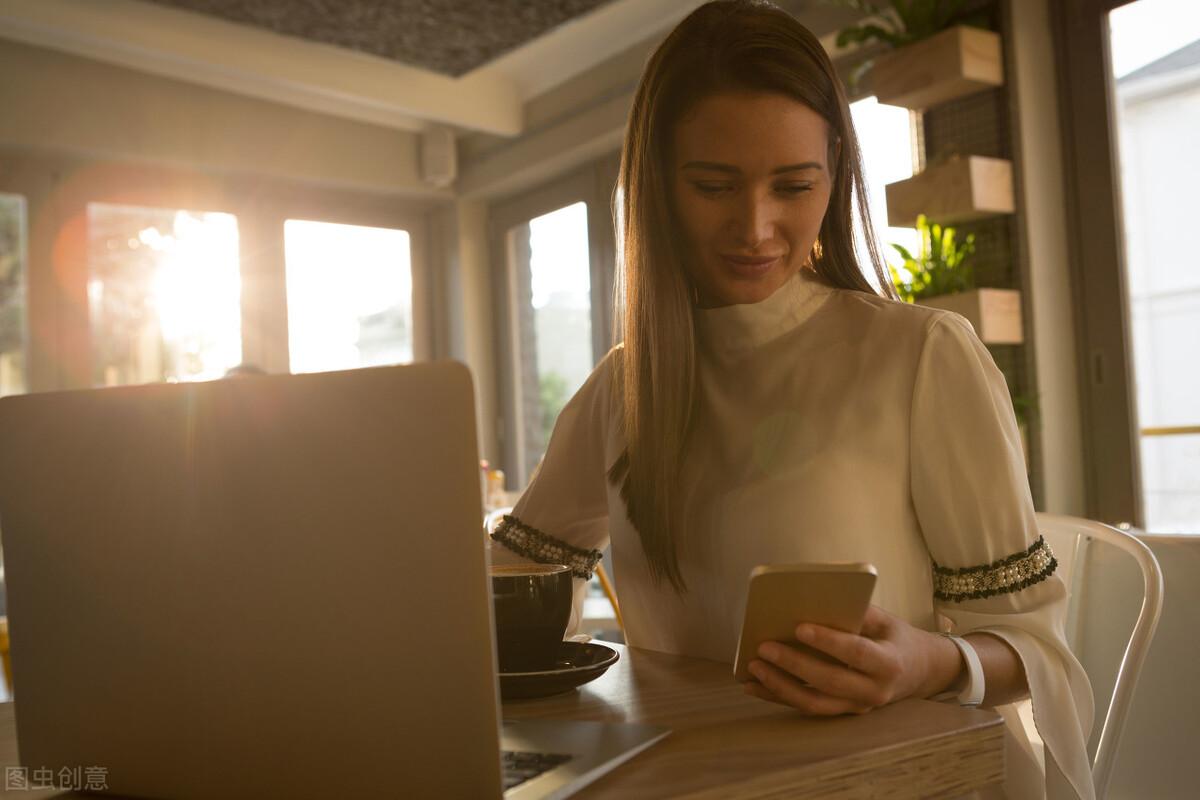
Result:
pixel 938 50
pixel 940 275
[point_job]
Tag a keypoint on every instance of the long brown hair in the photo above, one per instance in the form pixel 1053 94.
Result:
pixel 726 45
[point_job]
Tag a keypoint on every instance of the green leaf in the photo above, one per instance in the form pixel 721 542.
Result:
pixel 859 34
pixel 859 71
pixel 849 36
pixel 903 251
pixel 913 20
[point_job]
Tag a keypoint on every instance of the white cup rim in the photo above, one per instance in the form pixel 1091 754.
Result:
pixel 525 570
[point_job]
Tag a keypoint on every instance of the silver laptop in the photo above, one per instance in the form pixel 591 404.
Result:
pixel 265 587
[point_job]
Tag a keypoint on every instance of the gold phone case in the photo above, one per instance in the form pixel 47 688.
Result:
pixel 781 596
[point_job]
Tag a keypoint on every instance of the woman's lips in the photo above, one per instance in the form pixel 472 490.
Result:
pixel 750 266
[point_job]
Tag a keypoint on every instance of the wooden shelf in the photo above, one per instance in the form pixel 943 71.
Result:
pixel 994 313
pixel 958 190
pixel 957 62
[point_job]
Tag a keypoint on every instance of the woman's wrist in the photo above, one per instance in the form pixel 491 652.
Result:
pixel 945 668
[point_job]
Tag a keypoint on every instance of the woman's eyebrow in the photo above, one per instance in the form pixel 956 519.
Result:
pixel 715 166
pixel 712 166
pixel 798 167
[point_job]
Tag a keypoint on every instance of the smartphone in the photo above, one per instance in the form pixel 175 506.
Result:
pixel 781 596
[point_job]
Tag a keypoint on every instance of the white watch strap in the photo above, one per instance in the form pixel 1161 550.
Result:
pixel 972 694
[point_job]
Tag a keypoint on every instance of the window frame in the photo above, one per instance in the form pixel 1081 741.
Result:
pixel 23 244
pixel 58 189
pixel 593 184
pixel 1112 468
pixel 353 208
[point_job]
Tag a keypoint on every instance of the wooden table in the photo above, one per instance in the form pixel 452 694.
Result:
pixel 728 745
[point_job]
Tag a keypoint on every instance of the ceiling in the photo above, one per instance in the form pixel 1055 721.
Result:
pixel 320 54
pixel 450 37
pixel 467 65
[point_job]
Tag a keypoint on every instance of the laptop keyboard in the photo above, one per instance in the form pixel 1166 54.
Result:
pixel 521 766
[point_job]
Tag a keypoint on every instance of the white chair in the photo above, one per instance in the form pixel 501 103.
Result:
pixel 1069 538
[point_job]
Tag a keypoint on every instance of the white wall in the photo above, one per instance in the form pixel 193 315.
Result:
pixel 1037 144
pixel 460 233
pixel 66 104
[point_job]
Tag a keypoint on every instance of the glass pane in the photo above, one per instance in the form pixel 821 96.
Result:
pixel 164 294
pixel 12 294
pixel 349 296
pixel 554 320
pixel 1156 60
pixel 885 139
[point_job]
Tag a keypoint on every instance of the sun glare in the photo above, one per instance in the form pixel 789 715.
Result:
pixel 164 294
pixel 349 295
pixel 194 285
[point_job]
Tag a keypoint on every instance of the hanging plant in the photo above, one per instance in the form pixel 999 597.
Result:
pixel 897 23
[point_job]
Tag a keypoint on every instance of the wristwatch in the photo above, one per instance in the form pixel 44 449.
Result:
pixel 972 693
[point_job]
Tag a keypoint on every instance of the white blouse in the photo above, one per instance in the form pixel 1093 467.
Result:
pixel 832 425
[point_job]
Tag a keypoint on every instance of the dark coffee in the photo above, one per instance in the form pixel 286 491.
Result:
pixel 533 606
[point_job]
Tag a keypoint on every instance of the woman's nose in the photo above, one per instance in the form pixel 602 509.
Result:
pixel 754 222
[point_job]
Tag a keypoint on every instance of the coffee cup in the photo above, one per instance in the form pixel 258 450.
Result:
pixel 532 609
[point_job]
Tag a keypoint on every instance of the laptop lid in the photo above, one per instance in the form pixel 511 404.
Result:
pixel 241 588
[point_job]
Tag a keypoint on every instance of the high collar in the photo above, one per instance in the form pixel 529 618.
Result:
pixel 737 330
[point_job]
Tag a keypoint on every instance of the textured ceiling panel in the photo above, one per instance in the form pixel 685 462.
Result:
pixel 447 36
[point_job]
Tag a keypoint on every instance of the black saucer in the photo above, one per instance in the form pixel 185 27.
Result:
pixel 574 665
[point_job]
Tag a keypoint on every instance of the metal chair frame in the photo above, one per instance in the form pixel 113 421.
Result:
pixel 1059 528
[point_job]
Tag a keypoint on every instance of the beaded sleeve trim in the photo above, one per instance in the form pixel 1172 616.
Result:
pixel 1009 574
pixel 526 540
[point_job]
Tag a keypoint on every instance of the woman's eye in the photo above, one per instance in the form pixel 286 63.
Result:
pixel 792 189
pixel 708 187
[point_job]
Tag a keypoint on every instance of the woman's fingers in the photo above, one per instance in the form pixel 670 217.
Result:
pixel 855 651
pixel 756 689
pixel 876 623
pixel 830 679
pixel 867 676
pixel 778 686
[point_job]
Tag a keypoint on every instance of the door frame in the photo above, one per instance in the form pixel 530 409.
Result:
pixel 1108 404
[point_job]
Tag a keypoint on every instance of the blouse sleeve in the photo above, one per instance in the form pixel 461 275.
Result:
pixel 992 571
pixel 562 516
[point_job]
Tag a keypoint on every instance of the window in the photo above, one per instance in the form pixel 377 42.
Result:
pixel 885 139
pixel 552 311
pixel 349 296
pixel 164 294
pixel 12 294
pixel 1156 85
pixel 561 299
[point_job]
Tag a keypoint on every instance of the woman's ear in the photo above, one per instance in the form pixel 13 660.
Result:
pixel 814 255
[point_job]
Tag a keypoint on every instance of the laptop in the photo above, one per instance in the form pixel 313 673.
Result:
pixel 267 587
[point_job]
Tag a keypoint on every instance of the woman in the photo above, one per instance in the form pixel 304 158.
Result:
pixel 769 406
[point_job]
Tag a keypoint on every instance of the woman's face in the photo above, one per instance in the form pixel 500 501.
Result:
pixel 751 185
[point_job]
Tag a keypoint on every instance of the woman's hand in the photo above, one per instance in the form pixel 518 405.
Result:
pixel 889 661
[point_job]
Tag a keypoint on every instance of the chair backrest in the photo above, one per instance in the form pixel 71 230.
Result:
pixel 1069 537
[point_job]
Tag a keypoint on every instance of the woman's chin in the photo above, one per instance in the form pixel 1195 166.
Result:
pixel 742 290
